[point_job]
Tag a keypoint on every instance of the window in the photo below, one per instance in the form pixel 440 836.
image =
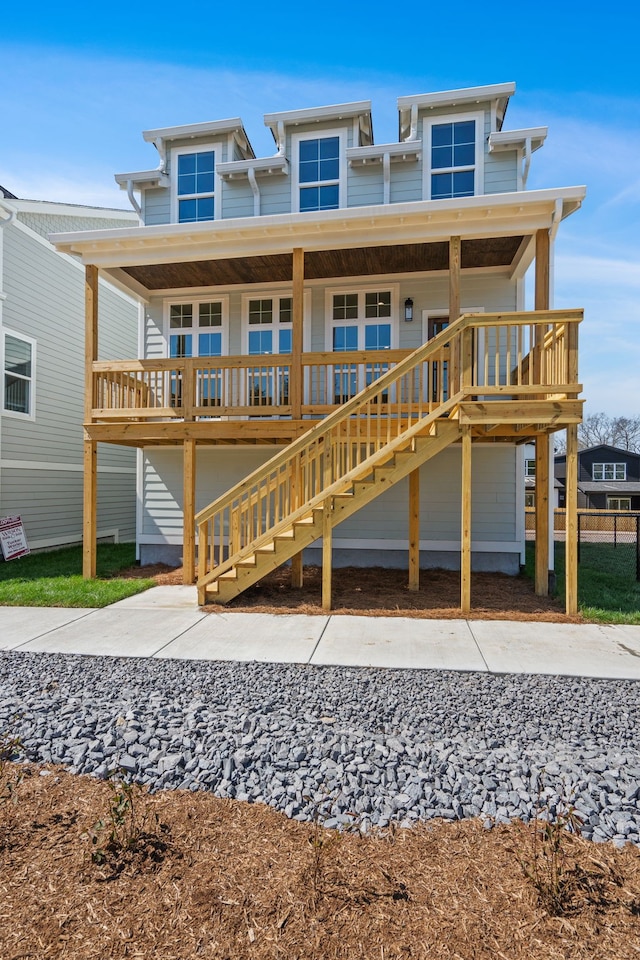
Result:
pixel 455 155
pixel 609 471
pixel 270 324
pixel 529 498
pixel 529 468
pixel 362 320
pixel 195 186
pixel 19 375
pixel 197 329
pixel 318 166
pixel 618 503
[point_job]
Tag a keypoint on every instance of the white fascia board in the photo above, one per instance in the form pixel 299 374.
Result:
pixel 143 179
pixel 265 166
pixel 53 208
pixel 451 98
pixel 491 215
pixel 515 139
pixel 208 128
pixel 397 152
pixel 336 111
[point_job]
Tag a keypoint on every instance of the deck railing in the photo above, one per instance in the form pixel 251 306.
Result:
pixel 488 354
pixel 505 354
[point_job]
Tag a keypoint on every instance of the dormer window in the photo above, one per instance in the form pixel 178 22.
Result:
pixel 456 158
pixel 318 165
pixel 195 185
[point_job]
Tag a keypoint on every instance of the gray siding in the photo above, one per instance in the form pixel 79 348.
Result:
pixel 46 223
pixel 364 185
pixel 45 301
pixel 237 198
pixel 156 206
pixel 406 181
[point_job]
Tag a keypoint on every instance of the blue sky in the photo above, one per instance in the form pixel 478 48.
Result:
pixel 76 91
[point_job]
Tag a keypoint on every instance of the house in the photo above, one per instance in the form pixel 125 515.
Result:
pixel 608 478
pixel 42 363
pixel 335 357
pixel 529 456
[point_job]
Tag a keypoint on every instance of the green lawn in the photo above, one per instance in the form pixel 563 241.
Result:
pixel 607 589
pixel 54 578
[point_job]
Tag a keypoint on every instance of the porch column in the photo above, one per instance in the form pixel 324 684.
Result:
pixel 189 512
pixel 414 530
pixel 571 546
pixel 465 523
pixel 327 534
pixel 455 247
pixel 541 302
pixel 295 381
pixel 89 523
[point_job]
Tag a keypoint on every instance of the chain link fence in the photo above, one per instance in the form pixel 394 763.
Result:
pixel 611 543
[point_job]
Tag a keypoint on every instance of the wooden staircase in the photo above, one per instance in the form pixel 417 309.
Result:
pixel 377 438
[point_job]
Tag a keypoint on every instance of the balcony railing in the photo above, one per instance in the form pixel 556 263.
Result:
pixel 499 355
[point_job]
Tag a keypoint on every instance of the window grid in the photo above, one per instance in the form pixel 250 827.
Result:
pixel 319 173
pixel 618 503
pixel 18 360
pixel 275 316
pixel 453 156
pixel 609 471
pixel 195 186
pixel 198 319
pixel 529 468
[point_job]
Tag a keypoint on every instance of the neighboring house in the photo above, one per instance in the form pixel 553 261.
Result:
pixel 529 455
pixel 608 478
pixel 42 366
pixel 277 288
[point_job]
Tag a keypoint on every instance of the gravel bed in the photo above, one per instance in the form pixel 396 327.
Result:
pixel 350 745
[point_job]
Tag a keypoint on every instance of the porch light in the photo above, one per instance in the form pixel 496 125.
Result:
pixel 408 309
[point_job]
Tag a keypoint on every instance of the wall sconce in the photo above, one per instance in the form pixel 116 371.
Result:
pixel 408 309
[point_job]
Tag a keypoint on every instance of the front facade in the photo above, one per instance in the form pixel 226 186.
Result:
pixel 608 478
pixel 276 290
pixel 42 364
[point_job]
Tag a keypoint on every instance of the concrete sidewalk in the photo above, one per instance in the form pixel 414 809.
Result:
pixel 165 622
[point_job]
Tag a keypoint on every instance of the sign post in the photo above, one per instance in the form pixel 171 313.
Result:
pixel 13 539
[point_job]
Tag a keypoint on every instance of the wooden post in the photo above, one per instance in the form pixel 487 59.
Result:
pixel 414 530
pixel 571 546
pixel 189 512
pixel 465 546
pixel 295 374
pixel 89 519
pixel 454 309
pixel 295 489
pixel 542 515
pixel 90 499
pixel 326 555
pixel 542 299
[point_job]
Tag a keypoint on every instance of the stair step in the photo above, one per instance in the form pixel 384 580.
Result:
pixel 229 574
pixel 250 561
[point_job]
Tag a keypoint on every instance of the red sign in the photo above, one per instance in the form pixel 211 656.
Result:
pixel 13 539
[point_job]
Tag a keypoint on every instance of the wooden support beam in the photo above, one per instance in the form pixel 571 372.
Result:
pixel 297 317
pixel 297 572
pixel 542 516
pixel 465 545
pixel 542 281
pixel 327 535
pixel 414 530
pixel 189 512
pixel 90 335
pixel 571 546
pixel 455 247
pixel 89 519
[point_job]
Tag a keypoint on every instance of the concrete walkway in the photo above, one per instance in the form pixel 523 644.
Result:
pixel 165 622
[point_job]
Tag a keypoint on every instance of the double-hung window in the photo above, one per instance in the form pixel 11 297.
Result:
pixel 269 331
pixel 198 329
pixel 318 166
pixel 455 157
pixel 194 179
pixel 361 321
pixel 609 471
pixel 18 375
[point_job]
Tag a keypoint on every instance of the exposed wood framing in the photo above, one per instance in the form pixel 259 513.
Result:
pixel 414 530
pixel 571 546
pixel 454 301
pixel 189 512
pixel 89 525
pixel 295 373
pixel 465 545
pixel 542 516
pixel 327 545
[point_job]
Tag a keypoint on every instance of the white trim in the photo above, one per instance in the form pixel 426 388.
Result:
pixel 296 186
pixel 208 128
pixel 335 111
pixel 520 502
pixel 428 124
pixel 53 208
pixel 196 328
pixel 450 98
pixel 140 494
pixel 216 150
pixel 56 466
pixel 262 293
pixel 361 289
pixel 31 415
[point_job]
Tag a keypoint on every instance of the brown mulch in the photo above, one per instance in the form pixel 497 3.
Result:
pixel 377 591
pixel 230 880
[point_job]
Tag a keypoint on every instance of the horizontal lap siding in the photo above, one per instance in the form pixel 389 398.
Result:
pixel 406 181
pixel 501 172
pixel 156 206
pixel 237 199
pixel 364 185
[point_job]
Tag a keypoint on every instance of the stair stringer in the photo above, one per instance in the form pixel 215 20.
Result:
pixel 307 529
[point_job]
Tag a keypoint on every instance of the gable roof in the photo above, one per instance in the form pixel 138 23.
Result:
pixel 561 457
pixel 6 194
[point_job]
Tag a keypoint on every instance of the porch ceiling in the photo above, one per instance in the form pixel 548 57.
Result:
pixel 321 264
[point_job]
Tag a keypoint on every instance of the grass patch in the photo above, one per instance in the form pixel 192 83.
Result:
pixel 54 578
pixel 607 589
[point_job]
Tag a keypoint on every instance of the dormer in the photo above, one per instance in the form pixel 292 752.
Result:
pixel 185 188
pixel 315 142
pixel 454 127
